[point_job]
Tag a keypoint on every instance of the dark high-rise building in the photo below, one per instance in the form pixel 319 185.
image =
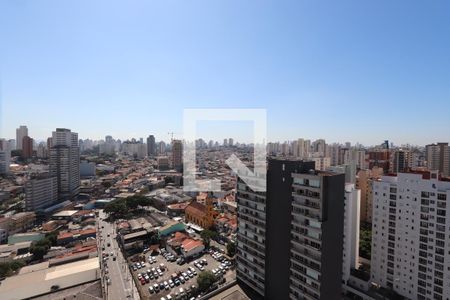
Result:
pixel 379 158
pixel 177 155
pixel 290 238
pixel 402 161
pixel 27 147
pixel 151 146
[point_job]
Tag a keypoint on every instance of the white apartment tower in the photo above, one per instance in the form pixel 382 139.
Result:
pixel 411 235
pixel 21 132
pixel 65 162
pixel 40 193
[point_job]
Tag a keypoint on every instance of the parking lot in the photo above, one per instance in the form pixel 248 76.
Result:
pixel 172 280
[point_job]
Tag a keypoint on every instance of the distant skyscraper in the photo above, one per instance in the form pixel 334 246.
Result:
pixel 402 161
pixel 65 162
pixel 320 146
pixel 177 155
pixel 27 147
pixel 438 158
pixel 225 142
pixel 41 192
pixel 290 239
pixel 411 235
pixel 162 148
pixel 230 142
pixel 109 139
pixel 151 146
pixel 379 158
pixel 41 151
pixel 21 132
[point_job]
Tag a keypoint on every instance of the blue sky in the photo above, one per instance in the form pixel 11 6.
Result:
pixel 343 70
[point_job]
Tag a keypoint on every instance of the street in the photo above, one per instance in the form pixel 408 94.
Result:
pixel 121 284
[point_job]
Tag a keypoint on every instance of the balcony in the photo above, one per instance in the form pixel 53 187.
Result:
pixel 306 204
pixel 313 255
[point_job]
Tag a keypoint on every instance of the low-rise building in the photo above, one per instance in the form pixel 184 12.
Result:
pixel 19 222
pixel 191 247
pixel 170 228
pixel 42 279
pixel 201 214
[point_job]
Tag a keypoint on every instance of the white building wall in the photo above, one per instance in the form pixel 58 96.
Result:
pixel 351 230
pixel 410 242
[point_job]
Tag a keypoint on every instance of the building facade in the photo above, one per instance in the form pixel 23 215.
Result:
pixel 411 235
pixel 41 193
pixel 27 147
pixel 177 155
pixel 151 146
pixel 201 214
pixel 21 132
pixel 438 158
pixel 290 238
pixel 65 162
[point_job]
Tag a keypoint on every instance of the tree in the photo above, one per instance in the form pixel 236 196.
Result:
pixel 116 208
pixel 8 268
pixel 231 249
pixel 365 240
pixel 207 235
pixel 52 237
pixel 40 248
pixel 205 280
pixel 106 184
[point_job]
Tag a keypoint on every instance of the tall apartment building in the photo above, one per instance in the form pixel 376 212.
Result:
pixel 27 147
pixel 41 192
pixel 177 155
pixel 230 142
pixel 351 230
pixel 438 158
pixel 364 181
pixel 65 162
pixel 361 159
pixel 162 148
pixel 322 163
pixel 379 158
pixel 402 161
pixel 411 235
pixel 5 156
pixel 290 238
pixel 319 146
pixel 151 146
pixel 21 132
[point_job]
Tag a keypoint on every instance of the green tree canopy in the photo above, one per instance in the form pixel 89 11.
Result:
pixel 207 235
pixel 231 249
pixel 8 268
pixel 205 280
pixel 116 208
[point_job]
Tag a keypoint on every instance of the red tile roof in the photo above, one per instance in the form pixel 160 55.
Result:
pixel 190 244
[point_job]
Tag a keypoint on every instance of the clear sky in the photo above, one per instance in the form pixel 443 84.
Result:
pixel 341 70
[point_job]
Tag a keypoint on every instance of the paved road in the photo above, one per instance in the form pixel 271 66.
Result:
pixel 122 285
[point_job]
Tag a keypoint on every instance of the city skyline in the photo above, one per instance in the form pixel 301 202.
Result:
pixel 220 140
pixel 328 79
